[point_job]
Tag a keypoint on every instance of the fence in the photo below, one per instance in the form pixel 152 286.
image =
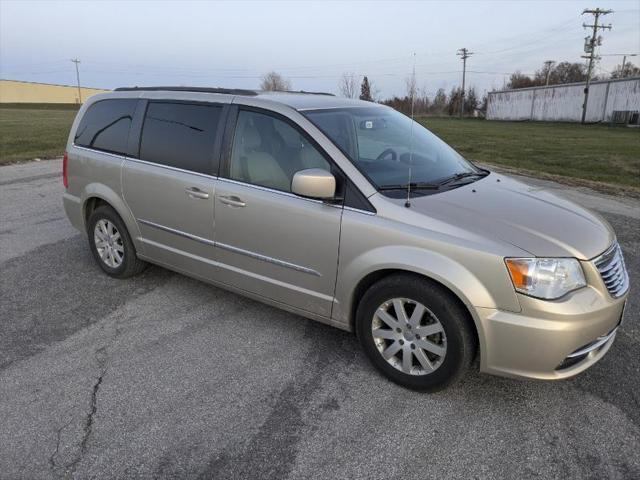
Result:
pixel 563 103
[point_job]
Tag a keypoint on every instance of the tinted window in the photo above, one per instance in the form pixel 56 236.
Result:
pixel 180 135
pixel 105 125
pixel 268 151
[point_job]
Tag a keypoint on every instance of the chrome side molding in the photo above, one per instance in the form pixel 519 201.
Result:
pixel 230 248
pixel 264 258
pixel 177 232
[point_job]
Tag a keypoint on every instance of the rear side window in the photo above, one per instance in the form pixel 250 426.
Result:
pixel 105 125
pixel 180 135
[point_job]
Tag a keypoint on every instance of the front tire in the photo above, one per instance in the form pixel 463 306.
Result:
pixel 415 332
pixel 111 244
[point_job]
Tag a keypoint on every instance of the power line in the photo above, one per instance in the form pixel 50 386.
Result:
pixel 590 45
pixel 557 29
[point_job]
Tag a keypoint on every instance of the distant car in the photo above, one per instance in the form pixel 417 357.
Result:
pixel 348 213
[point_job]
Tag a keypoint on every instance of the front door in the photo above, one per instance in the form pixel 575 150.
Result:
pixel 270 241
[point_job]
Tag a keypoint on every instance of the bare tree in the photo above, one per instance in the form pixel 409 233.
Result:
pixel 630 70
pixel 274 82
pixel 422 102
pixel 412 86
pixel 439 102
pixel 348 86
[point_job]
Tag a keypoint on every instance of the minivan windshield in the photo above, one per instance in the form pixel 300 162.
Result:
pixel 379 141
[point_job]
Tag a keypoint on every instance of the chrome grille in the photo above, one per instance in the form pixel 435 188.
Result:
pixel 613 271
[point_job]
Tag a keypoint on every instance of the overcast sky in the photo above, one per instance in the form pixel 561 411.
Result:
pixel 231 44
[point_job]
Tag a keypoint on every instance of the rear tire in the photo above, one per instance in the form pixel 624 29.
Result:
pixel 111 244
pixel 415 332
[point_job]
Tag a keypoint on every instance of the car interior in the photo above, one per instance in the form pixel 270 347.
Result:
pixel 268 152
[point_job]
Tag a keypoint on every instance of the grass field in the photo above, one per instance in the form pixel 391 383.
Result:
pixel 27 133
pixel 594 152
pixel 589 152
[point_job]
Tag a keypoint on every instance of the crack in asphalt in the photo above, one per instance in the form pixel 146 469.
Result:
pixel 70 467
pixel 50 220
pixel 94 408
pixel 101 358
pixel 54 454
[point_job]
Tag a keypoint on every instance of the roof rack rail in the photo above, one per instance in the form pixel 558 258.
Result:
pixel 310 93
pixel 229 91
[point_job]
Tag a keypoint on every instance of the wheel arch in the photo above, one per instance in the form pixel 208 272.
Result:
pixel 442 271
pixel 96 195
pixel 375 276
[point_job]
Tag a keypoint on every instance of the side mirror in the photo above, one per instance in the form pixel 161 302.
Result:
pixel 314 183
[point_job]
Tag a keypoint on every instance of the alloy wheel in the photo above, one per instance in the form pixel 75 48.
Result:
pixel 409 336
pixel 108 243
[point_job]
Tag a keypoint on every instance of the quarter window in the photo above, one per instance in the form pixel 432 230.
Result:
pixel 268 151
pixel 180 135
pixel 105 125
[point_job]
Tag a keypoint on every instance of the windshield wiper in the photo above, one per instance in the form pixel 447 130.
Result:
pixel 432 186
pixel 412 185
pixel 460 176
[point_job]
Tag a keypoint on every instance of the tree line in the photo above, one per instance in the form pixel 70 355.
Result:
pixel 417 100
pixel 440 104
pixel 566 72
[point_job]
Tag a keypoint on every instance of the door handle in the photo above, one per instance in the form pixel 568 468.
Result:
pixel 195 192
pixel 232 201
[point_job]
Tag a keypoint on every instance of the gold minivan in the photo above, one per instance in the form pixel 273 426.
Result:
pixel 349 213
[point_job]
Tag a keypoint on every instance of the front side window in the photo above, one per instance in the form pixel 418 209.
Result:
pixel 268 151
pixel 381 143
pixel 180 135
pixel 105 125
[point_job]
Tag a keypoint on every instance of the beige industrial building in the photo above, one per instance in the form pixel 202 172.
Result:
pixel 14 91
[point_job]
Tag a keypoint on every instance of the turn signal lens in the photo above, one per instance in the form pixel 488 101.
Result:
pixel 547 278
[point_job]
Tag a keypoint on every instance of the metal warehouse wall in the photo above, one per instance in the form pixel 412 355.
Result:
pixel 563 103
pixel 12 91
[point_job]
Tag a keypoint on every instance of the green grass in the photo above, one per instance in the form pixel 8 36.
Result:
pixel 41 106
pixel 586 152
pixel 592 152
pixel 27 133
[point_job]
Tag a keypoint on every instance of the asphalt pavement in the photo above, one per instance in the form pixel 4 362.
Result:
pixel 162 376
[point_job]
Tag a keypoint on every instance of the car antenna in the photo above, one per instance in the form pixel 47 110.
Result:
pixel 413 95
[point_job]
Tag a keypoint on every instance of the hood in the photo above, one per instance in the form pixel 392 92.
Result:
pixel 528 217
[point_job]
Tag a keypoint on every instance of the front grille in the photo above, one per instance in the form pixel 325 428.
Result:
pixel 613 271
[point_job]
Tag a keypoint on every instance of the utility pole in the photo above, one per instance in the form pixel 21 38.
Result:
pixel 548 64
pixel 590 45
pixel 463 53
pixel 624 59
pixel 76 61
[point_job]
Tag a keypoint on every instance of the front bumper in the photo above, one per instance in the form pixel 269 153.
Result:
pixel 553 339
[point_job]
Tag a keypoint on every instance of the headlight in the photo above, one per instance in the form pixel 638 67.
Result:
pixel 547 278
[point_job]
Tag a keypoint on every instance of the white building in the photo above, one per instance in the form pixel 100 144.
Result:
pixel 563 103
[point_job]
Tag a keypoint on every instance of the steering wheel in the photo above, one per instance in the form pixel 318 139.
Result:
pixel 387 152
